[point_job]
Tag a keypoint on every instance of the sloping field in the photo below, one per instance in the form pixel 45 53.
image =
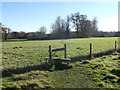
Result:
pixel 24 67
pixel 27 53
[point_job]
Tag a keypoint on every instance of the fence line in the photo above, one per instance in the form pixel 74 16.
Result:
pixel 65 50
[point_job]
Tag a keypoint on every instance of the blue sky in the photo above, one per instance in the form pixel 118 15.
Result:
pixel 30 16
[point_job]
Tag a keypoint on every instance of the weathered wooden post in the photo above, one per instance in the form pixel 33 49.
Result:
pixel 115 45
pixel 118 46
pixel 65 51
pixel 50 53
pixel 90 50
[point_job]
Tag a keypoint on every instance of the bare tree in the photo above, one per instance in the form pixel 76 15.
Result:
pixel 76 21
pixel 68 26
pixel 86 30
pixel 4 31
pixel 58 28
pixel 84 27
pixel 42 32
pixel 94 27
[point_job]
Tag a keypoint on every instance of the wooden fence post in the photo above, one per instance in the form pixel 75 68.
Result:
pixel 50 53
pixel 90 50
pixel 65 51
pixel 115 45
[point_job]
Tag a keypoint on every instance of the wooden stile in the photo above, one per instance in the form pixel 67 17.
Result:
pixel 115 45
pixel 50 53
pixel 65 59
pixel 90 50
pixel 65 53
pixel 58 49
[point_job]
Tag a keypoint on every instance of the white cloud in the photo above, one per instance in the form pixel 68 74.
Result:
pixel 108 24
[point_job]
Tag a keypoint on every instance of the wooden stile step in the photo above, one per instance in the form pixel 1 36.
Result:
pixel 60 59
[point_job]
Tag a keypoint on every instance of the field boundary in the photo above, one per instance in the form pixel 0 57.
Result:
pixel 45 67
pixel 96 55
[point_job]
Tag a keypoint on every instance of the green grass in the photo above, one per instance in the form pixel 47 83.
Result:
pixel 95 73
pixel 34 52
pixel 23 68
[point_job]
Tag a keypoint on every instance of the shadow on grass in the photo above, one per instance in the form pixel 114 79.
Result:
pixel 79 58
pixel 46 67
pixel 43 67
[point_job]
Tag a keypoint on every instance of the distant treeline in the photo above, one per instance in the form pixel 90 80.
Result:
pixel 61 29
pixel 43 36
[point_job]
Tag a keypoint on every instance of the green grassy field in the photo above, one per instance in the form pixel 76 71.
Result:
pixel 24 67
